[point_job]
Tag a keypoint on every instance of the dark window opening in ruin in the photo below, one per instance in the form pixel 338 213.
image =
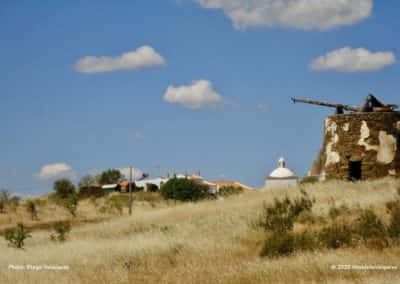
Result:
pixel 355 172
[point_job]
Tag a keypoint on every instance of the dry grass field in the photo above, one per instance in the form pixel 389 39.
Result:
pixel 207 242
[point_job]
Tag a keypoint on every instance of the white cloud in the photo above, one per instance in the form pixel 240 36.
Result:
pixel 142 57
pixel 353 60
pixel 136 173
pixel 56 170
pixel 199 94
pixel 302 14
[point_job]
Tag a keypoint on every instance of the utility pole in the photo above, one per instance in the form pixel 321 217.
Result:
pixel 130 190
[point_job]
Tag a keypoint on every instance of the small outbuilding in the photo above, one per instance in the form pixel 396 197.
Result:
pixel 281 176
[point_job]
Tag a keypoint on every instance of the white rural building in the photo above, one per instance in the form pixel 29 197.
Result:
pixel 157 181
pixel 281 176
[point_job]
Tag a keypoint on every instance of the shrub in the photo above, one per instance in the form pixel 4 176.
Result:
pixel 281 215
pixel 184 189
pixel 277 217
pixel 64 188
pixel 91 191
pixel 61 229
pixel 70 203
pixel 302 204
pixel 16 236
pixel 230 190
pixel 278 244
pixel 31 209
pixel 394 225
pixel 306 217
pixel 151 187
pixel 335 236
pixel 335 212
pixel 368 225
pixel 305 241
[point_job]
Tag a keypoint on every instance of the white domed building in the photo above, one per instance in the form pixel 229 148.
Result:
pixel 281 176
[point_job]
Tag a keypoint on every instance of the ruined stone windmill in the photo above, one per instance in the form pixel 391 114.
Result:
pixel 363 143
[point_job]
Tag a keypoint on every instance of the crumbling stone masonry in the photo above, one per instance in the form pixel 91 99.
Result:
pixel 361 146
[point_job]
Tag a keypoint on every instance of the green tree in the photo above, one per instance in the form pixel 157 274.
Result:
pixel 16 236
pixel 86 181
pixel 66 195
pixel 110 176
pixel 64 188
pixel 184 189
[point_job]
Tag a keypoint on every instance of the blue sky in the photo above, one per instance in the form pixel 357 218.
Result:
pixel 234 126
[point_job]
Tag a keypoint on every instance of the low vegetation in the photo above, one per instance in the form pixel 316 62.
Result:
pixel 16 236
pixel 277 236
pixel 61 230
pixel 230 190
pixel 184 189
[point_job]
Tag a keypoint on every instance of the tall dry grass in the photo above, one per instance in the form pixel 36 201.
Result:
pixel 206 242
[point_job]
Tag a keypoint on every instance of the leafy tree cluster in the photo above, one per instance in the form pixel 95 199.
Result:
pixel 110 176
pixel 184 189
pixel 16 236
pixel 66 195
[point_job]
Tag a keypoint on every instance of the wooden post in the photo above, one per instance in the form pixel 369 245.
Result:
pixel 130 190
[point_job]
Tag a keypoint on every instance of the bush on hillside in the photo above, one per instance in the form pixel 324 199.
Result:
pixel 335 236
pixel 184 189
pixel 368 225
pixel 64 188
pixel 61 230
pixel 230 190
pixel 16 236
pixel 281 215
pixel 335 212
pixel 277 217
pixel 70 204
pixel 278 244
pixel 302 204
pixel 306 217
pixel 88 192
pixel 305 241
